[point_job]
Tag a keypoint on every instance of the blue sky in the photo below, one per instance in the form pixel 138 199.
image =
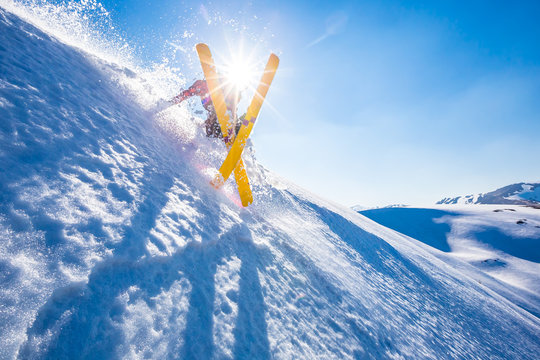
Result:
pixel 374 102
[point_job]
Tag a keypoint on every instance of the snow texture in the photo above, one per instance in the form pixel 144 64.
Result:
pixel 113 245
pixel 502 242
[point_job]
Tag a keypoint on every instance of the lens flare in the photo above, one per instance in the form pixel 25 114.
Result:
pixel 239 72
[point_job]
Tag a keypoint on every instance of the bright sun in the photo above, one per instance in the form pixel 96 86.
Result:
pixel 240 73
pixel 237 74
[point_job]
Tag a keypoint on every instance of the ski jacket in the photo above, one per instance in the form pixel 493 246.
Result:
pixel 200 89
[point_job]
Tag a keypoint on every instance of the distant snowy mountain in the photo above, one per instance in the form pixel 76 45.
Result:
pixel 518 194
pixel 113 245
pixel 359 208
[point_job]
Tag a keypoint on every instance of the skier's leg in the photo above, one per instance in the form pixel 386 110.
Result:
pixel 212 126
pixel 239 123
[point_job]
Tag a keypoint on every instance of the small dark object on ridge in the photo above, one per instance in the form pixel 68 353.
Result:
pixel 521 221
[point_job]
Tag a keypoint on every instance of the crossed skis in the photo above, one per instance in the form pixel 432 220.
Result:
pixel 235 143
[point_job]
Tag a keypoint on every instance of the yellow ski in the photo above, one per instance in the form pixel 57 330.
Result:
pixel 235 153
pixel 227 128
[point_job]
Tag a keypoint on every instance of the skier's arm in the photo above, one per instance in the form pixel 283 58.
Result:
pixel 197 89
pixel 182 96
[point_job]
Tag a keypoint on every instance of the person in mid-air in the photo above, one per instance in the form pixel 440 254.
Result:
pixel 200 89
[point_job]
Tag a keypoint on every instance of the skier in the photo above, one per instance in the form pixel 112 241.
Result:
pixel 200 89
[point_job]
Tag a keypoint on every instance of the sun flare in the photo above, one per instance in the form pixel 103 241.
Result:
pixel 240 72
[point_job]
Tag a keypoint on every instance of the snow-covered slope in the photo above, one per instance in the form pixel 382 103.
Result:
pixel 500 241
pixel 113 245
pixel 517 194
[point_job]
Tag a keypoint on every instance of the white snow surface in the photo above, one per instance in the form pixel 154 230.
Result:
pixel 113 245
pixel 528 192
pixel 501 241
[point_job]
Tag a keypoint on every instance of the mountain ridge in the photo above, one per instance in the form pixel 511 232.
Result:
pixel 522 193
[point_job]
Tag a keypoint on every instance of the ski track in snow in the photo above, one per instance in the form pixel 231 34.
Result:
pixel 113 245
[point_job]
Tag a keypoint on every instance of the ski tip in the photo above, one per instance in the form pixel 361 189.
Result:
pixel 246 202
pixel 201 46
pixel 274 59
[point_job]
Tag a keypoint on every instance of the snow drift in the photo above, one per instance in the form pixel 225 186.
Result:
pixel 113 245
